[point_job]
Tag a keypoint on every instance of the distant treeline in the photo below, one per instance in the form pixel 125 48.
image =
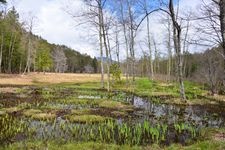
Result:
pixel 21 51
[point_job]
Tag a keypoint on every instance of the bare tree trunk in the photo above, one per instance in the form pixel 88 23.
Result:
pixel 103 31
pixel 11 55
pixel 108 43
pixel 211 75
pixel 149 42
pixel 29 54
pixel 28 64
pixel 131 40
pixel 101 54
pixel 169 65
pixel 34 60
pixel 177 44
pixel 117 46
pixel 185 48
pixel 105 45
pixel 156 57
pixel 126 42
pixel 222 25
pixel 2 45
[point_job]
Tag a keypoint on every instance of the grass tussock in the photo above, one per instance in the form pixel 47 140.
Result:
pixel 86 118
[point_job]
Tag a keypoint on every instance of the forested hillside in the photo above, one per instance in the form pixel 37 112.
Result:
pixel 21 51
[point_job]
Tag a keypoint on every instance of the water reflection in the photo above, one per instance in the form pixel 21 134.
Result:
pixel 198 115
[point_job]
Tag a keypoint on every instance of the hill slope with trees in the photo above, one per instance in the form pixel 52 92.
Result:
pixel 21 51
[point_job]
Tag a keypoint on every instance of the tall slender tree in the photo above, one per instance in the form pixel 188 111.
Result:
pixel 177 30
pixel 222 29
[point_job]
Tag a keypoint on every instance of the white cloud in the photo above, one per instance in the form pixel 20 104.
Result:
pixel 55 25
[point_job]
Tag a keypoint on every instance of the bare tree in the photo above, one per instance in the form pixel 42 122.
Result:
pixel 60 60
pixel 156 61
pixel 11 51
pixel 101 53
pixel 145 7
pixel 30 25
pixel 132 35
pixel 222 26
pixel 177 45
pixel 2 44
pixel 169 49
pixel 210 69
pixel 212 27
pixel 2 16
pixel 102 25
pixel 177 30
pixel 123 22
pixel 185 46
pixel 117 44
pixel 94 15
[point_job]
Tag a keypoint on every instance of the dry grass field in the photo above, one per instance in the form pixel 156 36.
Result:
pixel 51 78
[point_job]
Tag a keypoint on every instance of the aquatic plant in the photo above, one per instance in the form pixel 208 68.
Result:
pixel 9 128
pixel 181 127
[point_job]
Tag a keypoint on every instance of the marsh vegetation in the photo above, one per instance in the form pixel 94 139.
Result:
pixel 40 114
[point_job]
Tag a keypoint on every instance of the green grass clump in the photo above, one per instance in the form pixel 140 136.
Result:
pixel 39 114
pixel 81 111
pixel 31 112
pixel 114 105
pixel 44 116
pixel 2 112
pixel 11 109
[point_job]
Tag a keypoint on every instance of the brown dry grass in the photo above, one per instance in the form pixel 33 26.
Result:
pixel 219 97
pixel 48 78
pixel 219 137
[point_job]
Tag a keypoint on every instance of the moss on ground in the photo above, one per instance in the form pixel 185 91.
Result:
pixel 11 109
pixel 69 146
pixel 31 112
pixel 86 118
pixel 40 145
pixel 39 115
pixel 119 114
pixel 44 116
pixel 2 113
pixel 76 101
pixel 81 111
pixel 114 105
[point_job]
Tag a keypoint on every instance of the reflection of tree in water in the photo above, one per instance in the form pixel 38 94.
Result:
pixel 170 114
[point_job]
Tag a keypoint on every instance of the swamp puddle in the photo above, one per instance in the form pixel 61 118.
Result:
pixel 148 123
pixel 200 116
